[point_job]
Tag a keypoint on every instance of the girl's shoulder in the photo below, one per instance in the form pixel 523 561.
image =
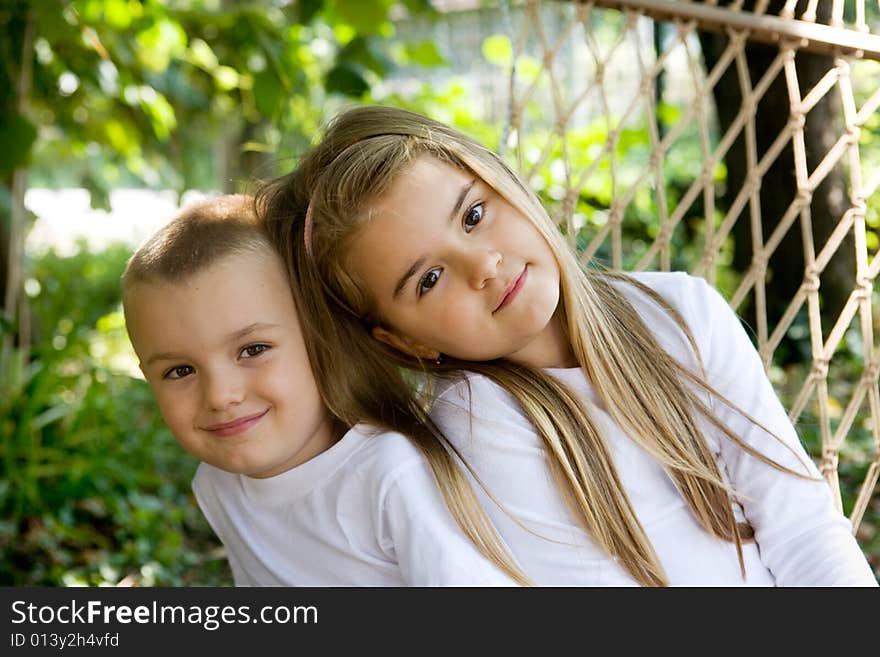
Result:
pixel 458 395
pixel 688 294
pixel 696 302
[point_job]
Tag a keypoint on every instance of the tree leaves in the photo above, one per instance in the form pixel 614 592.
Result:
pixel 365 16
pixel 158 44
pixel 306 10
pixel 345 79
pixel 148 73
pixel 17 134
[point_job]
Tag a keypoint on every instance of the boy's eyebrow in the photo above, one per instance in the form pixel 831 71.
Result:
pixel 421 261
pixel 236 335
pixel 163 356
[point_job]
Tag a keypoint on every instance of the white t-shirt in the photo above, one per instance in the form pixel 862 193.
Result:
pixel 367 512
pixel 801 539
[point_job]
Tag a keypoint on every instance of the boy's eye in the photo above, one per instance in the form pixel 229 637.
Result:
pixel 253 350
pixel 472 217
pixel 428 281
pixel 178 372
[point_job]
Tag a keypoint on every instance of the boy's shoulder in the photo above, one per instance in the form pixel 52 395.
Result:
pixel 383 453
pixel 208 476
pixel 365 455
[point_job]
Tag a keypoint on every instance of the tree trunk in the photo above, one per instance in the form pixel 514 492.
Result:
pixel 823 126
pixel 12 236
pixel 660 80
pixel 239 168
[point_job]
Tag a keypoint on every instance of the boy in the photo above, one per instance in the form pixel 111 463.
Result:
pixel 296 498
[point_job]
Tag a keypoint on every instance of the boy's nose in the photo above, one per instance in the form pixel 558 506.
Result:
pixel 482 267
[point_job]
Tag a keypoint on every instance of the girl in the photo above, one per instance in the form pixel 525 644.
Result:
pixel 620 428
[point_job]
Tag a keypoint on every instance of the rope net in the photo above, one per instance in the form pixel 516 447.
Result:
pixel 620 115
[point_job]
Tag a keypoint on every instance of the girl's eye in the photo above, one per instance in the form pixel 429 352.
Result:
pixel 253 350
pixel 472 217
pixel 178 372
pixel 428 281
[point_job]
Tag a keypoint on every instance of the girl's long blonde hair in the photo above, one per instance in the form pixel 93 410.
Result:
pixel 655 399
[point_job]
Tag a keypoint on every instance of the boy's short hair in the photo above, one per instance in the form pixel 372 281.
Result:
pixel 196 237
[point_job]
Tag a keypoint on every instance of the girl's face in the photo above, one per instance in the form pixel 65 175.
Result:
pixel 455 269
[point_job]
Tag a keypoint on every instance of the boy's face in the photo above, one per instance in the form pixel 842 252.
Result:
pixel 224 354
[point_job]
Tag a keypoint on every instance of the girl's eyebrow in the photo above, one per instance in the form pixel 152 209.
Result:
pixel 250 328
pixel 409 272
pixel 421 261
pixel 460 199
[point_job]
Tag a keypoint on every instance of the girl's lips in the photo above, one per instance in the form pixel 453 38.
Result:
pixel 513 289
pixel 237 426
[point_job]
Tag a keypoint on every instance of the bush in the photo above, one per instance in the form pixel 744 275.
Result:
pixel 93 487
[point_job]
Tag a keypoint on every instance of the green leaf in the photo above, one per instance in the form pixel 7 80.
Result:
pixel 668 114
pixel 306 10
pixel 118 13
pixel 423 54
pixel 53 27
pixel 159 43
pixel 118 136
pixel 226 78
pixel 17 136
pixel 498 50
pixel 528 68
pixel 161 114
pixel 346 80
pixel 110 322
pixel 202 56
pixel 420 7
pixel 365 16
pixel 51 415
pixel 344 32
pixel 268 93
pixel 358 51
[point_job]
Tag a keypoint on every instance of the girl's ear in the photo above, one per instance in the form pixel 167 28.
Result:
pixel 404 344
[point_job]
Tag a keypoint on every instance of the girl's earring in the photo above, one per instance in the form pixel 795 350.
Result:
pixel 439 359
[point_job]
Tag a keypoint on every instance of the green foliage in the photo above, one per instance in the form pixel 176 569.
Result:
pixel 93 488
pixel 17 135
pixel 141 93
pixel 87 276
pixel 498 50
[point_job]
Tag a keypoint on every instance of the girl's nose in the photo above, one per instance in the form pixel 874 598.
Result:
pixel 482 267
pixel 223 391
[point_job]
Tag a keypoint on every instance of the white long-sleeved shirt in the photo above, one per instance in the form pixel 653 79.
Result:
pixel 366 512
pixel 800 538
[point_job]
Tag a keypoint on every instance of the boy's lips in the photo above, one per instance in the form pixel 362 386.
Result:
pixel 512 289
pixel 236 426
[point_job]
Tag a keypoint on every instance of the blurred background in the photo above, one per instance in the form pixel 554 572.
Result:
pixel 113 113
